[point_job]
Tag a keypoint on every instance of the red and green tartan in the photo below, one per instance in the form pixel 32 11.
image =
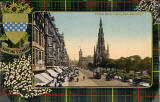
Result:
pixel 99 94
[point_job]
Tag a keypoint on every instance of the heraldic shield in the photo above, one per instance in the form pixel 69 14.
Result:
pixel 15 26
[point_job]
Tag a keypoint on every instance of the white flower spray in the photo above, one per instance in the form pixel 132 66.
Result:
pixel 18 78
pixel 153 6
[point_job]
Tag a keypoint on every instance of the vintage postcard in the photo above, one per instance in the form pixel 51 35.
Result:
pixel 101 49
pixel 104 50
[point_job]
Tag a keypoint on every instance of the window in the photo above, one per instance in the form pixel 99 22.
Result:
pixel 33 54
pixel 49 41
pixel 46 26
pixel 49 61
pixel 36 33
pixel 40 56
pixel 40 39
pixel 50 52
pixel 37 20
pixel 43 41
pixel 54 45
pixel 36 56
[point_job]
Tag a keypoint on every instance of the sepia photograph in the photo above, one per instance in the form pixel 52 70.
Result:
pixel 92 49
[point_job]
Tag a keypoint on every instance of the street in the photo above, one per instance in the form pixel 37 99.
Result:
pixel 90 81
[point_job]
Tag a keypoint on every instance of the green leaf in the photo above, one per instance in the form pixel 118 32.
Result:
pixel 21 7
pixel 25 38
pixel 4 37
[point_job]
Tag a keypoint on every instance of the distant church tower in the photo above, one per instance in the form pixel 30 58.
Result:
pixel 100 53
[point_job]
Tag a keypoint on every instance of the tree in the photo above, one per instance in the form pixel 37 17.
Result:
pixel 116 65
pixel 122 63
pixel 146 64
pixel 90 65
pixel 111 64
pixel 135 61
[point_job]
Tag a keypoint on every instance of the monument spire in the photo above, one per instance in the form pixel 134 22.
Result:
pixel 107 50
pixel 100 22
pixel 101 52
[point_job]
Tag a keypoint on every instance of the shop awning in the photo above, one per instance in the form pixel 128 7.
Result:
pixel 53 83
pixel 36 80
pixel 52 72
pixel 58 69
pixel 40 84
pixel 46 76
pixel 63 67
pixel 43 79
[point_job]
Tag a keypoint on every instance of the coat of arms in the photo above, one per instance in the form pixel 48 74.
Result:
pixel 15 22
pixel 15 26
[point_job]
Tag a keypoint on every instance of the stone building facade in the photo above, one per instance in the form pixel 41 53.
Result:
pixel 56 53
pixel 48 46
pixel 84 61
pixel 100 52
pixel 38 42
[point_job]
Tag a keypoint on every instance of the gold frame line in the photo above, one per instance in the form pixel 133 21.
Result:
pixel 96 86
pixel 66 95
pixel 19 99
pixel 65 5
pixel 112 95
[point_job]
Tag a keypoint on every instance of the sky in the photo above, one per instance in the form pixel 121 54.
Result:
pixel 127 33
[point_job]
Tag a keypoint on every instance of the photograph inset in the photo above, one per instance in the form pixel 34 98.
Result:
pixel 102 49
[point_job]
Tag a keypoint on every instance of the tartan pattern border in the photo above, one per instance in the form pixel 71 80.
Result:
pixel 151 94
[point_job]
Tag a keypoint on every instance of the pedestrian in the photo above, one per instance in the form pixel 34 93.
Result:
pixel 72 78
pixel 83 77
pixel 60 84
pixel 77 79
pixel 55 84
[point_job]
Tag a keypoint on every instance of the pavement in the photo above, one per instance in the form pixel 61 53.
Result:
pixel 66 83
pixel 81 82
